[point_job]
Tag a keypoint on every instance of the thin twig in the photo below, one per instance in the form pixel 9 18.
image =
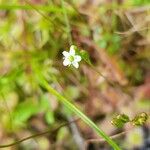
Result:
pixel 102 140
pixel 38 134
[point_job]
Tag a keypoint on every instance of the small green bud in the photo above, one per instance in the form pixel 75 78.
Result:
pixel 140 119
pixel 124 118
pixel 120 120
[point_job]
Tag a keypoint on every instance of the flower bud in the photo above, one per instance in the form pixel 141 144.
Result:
pixel 120 120
pixel 140 119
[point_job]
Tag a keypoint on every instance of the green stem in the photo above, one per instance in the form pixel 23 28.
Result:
pixel 67 22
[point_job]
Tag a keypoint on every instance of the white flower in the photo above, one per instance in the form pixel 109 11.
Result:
pixel 70 58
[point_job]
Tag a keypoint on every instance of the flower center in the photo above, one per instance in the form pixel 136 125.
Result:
pixel 71 58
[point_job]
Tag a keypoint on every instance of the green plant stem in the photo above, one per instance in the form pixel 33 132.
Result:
pixel 67 22
pixel 74 109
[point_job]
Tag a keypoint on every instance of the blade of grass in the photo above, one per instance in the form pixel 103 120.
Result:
pixel 28 7
pixel 75 110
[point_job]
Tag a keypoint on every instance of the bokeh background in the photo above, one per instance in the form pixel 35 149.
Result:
pixel 33 34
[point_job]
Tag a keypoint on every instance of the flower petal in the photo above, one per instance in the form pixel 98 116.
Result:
pixel 72 50
pixel 65 53
pixel 77 58
pixel 66 62
pixel 75 64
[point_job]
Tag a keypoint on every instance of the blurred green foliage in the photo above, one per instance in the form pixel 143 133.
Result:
pixel 33 36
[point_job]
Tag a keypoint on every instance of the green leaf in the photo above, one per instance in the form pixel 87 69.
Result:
pixel 44 103
pixel 85 56
pixel 24 111
pixel 46 108
pixel 49 116
pixel 102 43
